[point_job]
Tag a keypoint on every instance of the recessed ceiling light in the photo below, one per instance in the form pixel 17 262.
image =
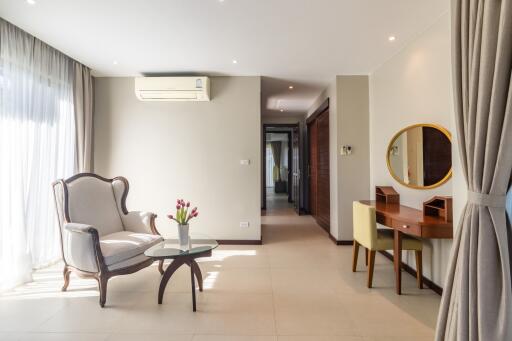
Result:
pixel 281 110
pixel 221 0
pixel 114 62
pixel 31 2
pixel 290 87
pixel 391 38
pixel 235 61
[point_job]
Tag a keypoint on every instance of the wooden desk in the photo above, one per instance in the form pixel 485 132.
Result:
pixel 403 219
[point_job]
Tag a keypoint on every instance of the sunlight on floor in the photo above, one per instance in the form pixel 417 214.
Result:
pixel 48 282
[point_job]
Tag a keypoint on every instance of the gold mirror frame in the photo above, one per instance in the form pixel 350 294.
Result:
pixel 395 137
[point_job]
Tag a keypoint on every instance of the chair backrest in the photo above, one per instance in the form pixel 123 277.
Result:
pixel 90 199
pixel 365 226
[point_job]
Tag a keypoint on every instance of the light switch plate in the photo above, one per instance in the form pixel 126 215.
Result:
pixel 244 224
pixel 245 162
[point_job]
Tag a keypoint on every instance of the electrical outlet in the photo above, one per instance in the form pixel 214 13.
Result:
pixel 244 224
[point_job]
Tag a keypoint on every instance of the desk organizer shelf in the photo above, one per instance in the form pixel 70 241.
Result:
pixel 439 206
pixel 387 194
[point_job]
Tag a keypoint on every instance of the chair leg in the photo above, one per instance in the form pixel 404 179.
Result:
pixel 102 281
pixel 354 256
pixel 366 257
pixel 161 267
pixel 66 274
pixel 419 269
pixel 371 264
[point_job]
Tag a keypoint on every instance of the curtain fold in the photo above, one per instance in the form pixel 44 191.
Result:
pixel 276 154
pixel 83 107
pixel 477 298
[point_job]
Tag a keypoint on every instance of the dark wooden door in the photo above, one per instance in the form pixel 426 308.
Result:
pixel 319 170
pixel 313 166
pixel 323 195
pixel 295 188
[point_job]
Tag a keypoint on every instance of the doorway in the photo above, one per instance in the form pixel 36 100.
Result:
pixel 277 165
pixel 318 166
pixel 281 167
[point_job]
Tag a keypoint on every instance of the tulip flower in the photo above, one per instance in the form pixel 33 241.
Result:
pixel 183 215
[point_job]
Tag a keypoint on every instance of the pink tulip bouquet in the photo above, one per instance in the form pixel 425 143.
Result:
pixel 183 215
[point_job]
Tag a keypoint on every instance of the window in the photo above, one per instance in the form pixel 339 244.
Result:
pixel 36 147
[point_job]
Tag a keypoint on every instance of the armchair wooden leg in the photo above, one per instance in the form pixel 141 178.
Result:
pixel 161 266
pixel 66 274
pixel 370 267
pixel 102 281
pixel 354 256
pixel 419 269
pixel 366 256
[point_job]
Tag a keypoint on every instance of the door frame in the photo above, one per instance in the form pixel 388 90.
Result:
pixel 264 158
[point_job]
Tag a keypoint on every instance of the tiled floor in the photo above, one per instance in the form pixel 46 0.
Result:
pixel 297 286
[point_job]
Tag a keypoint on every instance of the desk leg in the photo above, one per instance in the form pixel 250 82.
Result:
pixel 397 259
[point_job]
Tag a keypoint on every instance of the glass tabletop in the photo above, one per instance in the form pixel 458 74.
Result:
pixel 171 248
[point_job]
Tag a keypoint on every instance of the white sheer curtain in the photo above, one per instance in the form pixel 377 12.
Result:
pixel 37 146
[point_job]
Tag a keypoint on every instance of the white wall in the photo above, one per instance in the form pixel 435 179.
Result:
pixel 415 87
pixel 348 125
pixel 189 150
pixel 353 129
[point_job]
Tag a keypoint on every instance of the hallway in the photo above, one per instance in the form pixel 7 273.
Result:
pixel 277 201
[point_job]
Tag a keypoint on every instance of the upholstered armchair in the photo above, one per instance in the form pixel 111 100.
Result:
pixel 99 237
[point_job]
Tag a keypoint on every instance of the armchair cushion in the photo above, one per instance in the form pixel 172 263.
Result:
pixel 120 246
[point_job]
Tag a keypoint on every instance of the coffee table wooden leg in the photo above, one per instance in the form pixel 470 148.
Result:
pixel 161 266
pixel 197 271
pixel 167 275
pixel 192 280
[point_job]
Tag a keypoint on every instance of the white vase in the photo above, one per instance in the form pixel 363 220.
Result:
pixel 183 235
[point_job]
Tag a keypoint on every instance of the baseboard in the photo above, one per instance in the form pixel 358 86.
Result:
pixel 240 242
pixel 428 282
pixel 340 242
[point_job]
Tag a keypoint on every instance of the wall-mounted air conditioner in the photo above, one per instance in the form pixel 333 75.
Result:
pixel 172 88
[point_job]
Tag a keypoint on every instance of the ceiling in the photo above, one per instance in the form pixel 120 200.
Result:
pixel 303 43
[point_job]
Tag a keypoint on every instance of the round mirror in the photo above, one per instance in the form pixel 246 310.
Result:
pixel 420 156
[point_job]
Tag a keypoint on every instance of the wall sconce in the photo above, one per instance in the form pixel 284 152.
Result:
pixel 346 150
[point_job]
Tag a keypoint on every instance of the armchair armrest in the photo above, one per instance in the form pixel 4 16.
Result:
pixel 79 228
pixel 81 246
pixel 140 222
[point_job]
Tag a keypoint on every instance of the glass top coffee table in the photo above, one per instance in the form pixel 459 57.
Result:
pixel 199 246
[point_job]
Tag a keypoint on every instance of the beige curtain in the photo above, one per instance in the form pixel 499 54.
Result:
pixel 276 154
pixel 477 299
pixel 83 102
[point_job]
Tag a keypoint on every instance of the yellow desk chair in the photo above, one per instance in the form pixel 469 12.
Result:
pixel 373 239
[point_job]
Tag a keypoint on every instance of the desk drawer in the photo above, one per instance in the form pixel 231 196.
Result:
pixel 408 228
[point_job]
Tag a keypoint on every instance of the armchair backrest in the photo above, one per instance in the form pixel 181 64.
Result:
pixel 90 199
pixel 365 225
